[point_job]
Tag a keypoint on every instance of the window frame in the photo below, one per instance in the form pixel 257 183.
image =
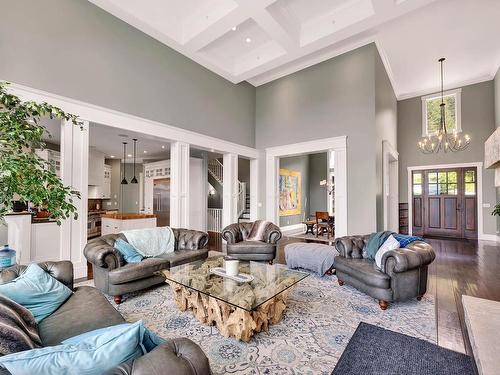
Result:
pixel 457 93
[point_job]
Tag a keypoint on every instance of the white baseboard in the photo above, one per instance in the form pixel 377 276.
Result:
pixel 295 228
pixel 489 237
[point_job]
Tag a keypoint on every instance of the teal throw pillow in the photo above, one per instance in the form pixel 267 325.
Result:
pixel 36 290
pixel 129 252
pixel 92 356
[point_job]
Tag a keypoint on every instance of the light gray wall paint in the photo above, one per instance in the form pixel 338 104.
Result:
pixel 299 164
pixel 477 120
pixel 75 49
pixel 386 122
pixel 318 196
pixel 333 98
pixel 3 234
pixel 130 201
pixel 497 98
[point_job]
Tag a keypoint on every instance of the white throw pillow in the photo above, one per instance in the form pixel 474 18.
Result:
pixel 390 244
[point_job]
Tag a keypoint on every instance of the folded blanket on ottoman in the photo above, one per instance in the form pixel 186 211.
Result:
pixel 18 328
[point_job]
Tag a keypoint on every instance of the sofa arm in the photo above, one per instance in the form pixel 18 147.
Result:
pixel 187 239
pixel 177 356
pixel 351 246
pixel 272 234
pixel 417 254
pixel 62 271
pixel 101 253
pixel 232 234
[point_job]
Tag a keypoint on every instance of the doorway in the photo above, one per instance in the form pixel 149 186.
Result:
pixel 444 202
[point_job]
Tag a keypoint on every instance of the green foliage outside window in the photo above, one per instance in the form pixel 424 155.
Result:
pixel 434 114
pixel 24 175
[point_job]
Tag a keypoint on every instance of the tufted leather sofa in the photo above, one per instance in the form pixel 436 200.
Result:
pixel 87 310
pixel 115 277
pixel 238 246
pixel 403 273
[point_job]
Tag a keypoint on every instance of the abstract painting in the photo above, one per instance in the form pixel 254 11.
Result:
pixel 290 192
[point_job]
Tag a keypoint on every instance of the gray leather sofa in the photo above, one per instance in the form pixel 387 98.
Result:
pixel 238 246
pixel 115 277
pixel 403 274
pixel 87 309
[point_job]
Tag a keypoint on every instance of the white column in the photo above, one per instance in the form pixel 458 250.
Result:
pixel 230 190
pixel 179 185
pixel 254 189
pixel 272 194
pixel 74 172
pixel 341 192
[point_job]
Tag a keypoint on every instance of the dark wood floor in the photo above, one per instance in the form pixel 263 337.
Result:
pixel 461 267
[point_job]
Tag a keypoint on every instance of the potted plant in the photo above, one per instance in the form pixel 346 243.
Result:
pixel 24 175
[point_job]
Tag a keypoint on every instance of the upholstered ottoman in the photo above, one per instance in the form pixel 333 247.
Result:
pixel 310 256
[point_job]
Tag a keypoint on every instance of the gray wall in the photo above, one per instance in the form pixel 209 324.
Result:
pixel 477 120
pixel 333 98
pixel 299 164
pixel 75 49
pixel 497 98
pixel 386 122
pixel 318 196
pixel 130 202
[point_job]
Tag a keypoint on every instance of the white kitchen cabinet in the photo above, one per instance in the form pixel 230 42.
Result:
pixel 45 242
pixel 53 157
pixel 113 226
pixel 152 171
pixel 96 167
pixel 102 191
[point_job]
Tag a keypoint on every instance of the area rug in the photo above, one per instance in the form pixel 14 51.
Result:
pixel 373 350
pixel 320 319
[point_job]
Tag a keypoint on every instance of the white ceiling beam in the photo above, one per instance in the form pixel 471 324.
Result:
pixel 275 30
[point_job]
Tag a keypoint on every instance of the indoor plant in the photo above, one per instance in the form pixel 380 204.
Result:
pixel 25 176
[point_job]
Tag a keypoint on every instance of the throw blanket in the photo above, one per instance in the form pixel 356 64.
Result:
pixel 18 328
pixel 151 242
pixel 374 242
pixel 404 240
pixel 258 231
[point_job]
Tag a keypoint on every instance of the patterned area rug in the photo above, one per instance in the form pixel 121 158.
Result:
pixel 320 319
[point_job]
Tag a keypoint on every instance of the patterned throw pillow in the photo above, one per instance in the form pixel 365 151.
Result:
pixel 258 231
pixel 18 328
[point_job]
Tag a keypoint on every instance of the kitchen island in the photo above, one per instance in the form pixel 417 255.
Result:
pixel 120 221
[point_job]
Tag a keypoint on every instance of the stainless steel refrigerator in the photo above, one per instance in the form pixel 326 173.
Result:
pixel 161 201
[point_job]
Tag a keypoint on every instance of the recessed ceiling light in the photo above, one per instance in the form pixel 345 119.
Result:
pixel 234 28
pixel 162 146
pixel 248 40
pixel 129 155
pixel 145 151
pixel 111 156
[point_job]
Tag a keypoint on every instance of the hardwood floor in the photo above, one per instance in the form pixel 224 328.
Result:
pixel 461 267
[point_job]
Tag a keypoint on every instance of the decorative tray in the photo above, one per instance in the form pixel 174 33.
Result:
pixel 241 278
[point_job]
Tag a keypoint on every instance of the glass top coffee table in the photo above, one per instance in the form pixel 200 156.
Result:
pixel 237 309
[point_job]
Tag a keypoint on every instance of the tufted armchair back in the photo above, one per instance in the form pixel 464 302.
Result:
pixel 351 246
pixel 62 271
pixel 239 232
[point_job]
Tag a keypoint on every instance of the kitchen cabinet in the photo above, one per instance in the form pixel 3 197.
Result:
pixel 96 167
pixel 152 171
pixel 53 157
pixel 45 242
pixel 112 226
pixel 102 191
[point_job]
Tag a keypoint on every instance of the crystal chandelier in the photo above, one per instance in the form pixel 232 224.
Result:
pixel 442 140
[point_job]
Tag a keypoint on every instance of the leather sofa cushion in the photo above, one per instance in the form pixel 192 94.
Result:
pixel 184 256
pixel 364 271
pixel 251 247
pixel 136 271
pixel 86 310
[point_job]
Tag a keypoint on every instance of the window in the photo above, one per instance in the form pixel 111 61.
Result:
pixel 442 183
pixel 417 183
pixel 431 112
pixel 470 182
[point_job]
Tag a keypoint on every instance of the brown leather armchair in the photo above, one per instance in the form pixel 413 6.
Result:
pixel 115 277
pixel 238 246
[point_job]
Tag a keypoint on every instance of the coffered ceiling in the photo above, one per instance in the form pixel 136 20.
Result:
pixel 261 40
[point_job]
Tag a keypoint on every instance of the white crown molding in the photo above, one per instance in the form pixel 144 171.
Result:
pixel 105 116
pixel 303 148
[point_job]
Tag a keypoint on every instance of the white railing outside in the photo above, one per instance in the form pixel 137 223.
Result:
pixel 216 169
pixel 242 195
pixel 214 220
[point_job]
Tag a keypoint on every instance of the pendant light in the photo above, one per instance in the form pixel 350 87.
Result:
pixel 134 180
pixel 124 180
pixel 442 140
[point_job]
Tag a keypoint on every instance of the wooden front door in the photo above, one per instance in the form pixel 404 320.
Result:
pixel 444 203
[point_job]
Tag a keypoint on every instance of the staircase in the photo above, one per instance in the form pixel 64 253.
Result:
pixel 216 170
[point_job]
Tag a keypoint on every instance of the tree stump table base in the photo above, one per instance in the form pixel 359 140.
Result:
pixel 231 321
